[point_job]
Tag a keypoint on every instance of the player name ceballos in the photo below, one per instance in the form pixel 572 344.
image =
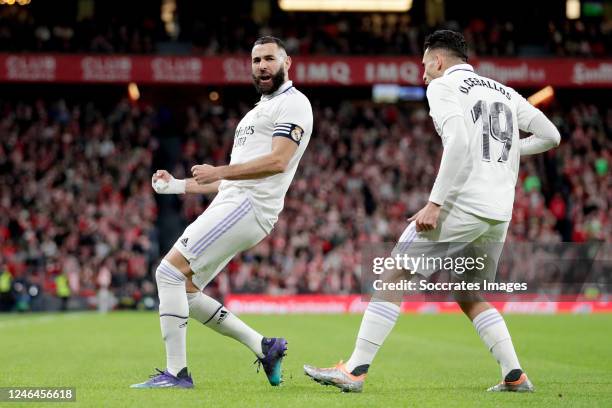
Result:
pixel 424 285
pixel 472 82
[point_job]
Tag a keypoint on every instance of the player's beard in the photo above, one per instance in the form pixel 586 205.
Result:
pixel 277 80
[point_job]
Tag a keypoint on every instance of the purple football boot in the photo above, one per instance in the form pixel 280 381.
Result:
pixel 274 349
pixel 163 379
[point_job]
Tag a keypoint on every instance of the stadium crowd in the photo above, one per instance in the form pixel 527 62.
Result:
pixel 76 200
pixel 27 29
pixel 397 34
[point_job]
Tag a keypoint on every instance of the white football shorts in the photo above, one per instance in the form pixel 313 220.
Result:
pixel 227 227
pixel 457 233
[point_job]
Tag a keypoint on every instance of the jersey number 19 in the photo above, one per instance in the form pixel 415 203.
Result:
pixel 491 127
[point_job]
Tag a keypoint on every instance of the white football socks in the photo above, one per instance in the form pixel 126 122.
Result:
pixel 173 314
pixel 213 314
pixel 378 321
pixel 492 329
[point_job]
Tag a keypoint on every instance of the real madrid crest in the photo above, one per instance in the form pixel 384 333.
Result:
pixel 296 133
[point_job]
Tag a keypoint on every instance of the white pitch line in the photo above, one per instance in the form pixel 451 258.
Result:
pixel 48 318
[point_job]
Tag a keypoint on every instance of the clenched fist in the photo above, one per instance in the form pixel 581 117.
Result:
pixel 205 174
pixel 164 183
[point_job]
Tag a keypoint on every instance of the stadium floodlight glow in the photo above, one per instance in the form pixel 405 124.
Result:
pixel 541 96
pixel 344 5
pixel 15 2
pixel 133 91
pixel 572 9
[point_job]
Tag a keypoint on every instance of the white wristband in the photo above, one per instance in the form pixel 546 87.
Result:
pixel 173 186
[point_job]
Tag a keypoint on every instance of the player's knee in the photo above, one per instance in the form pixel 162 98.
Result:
pixel 190 287
pixel 177 259
pixel 168 274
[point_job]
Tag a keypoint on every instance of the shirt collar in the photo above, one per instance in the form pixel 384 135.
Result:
pixel 279 91
pixel 459 67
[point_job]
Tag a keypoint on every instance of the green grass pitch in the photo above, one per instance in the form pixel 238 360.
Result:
pixel 428 360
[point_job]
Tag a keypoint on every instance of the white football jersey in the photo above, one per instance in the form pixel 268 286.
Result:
pixel 493 114
pixel 285 113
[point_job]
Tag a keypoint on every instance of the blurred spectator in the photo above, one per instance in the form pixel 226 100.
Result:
pixel 105 300
pixel 62 290
pixel 6 295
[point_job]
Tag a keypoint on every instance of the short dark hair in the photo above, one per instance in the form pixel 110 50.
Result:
pixel 448 40
pixel 268 39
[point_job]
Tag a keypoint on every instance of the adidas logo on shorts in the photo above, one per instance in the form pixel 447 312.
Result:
pixel 184 241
